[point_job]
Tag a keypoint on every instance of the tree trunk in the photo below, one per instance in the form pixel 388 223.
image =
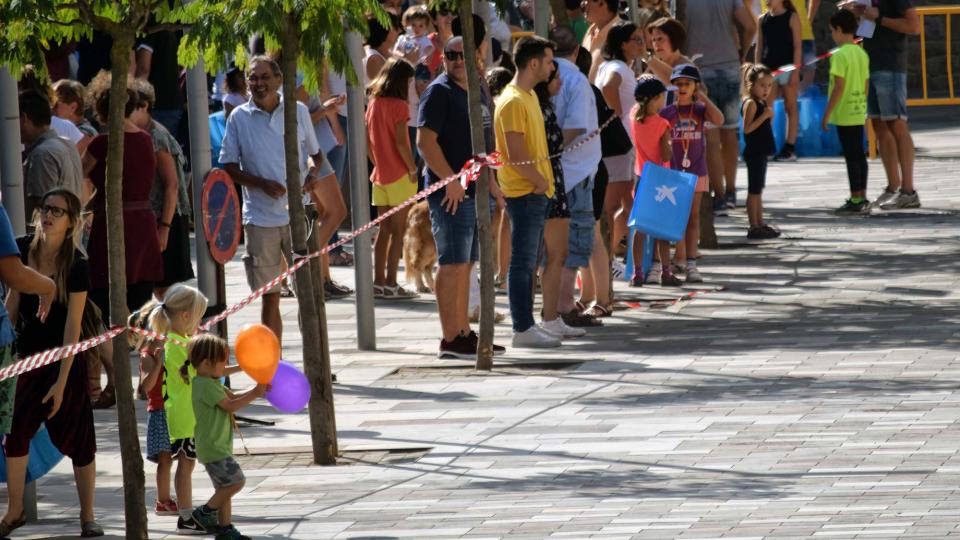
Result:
pixel 482 197
pixel 133 477
pixel 708 233
pixel 322 430
pixel 559 8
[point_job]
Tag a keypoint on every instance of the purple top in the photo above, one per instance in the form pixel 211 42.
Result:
pixel 686 135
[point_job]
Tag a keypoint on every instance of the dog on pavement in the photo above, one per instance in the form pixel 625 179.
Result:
pixel 419 248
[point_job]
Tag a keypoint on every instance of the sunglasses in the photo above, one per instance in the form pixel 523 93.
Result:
pixel 453 56
pixel 54 211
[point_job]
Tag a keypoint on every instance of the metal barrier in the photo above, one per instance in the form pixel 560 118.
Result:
pixel 933 11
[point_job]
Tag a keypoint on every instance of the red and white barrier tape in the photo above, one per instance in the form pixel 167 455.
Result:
pixel 793 67
pixel 468 173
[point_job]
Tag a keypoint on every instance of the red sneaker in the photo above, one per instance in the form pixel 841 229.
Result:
pixel 168 508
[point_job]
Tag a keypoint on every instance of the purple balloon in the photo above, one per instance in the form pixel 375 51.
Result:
pixel 290 390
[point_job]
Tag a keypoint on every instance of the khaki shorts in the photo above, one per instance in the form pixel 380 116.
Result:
pixel 267 248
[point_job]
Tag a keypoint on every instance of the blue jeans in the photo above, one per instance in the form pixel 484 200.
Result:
pixel 580 239
pixel 527 214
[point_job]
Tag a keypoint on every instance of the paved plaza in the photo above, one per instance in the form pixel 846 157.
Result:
pixel 810 390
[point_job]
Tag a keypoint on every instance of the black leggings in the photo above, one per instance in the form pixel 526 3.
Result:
pixel 756 173
pixel 851 140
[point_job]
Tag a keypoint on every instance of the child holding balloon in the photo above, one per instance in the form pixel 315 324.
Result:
pixel 177 317
pixel 214 406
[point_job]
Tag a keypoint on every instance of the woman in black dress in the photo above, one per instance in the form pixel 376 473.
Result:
pixel 56 394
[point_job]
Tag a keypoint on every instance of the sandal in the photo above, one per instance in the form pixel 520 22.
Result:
pixel 341 259
pixel 500 286
pixel 7 528
pixel 598 311
pixel 581 306
pixel 106 400
pixel 90 529
pixel 576 319
pixel 334 290
pixel 397 293
pixel 378 291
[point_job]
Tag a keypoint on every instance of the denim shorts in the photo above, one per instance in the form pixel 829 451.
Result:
pixel 580 239
pixel 723 89
pixel 224 472
pixel 455 234
pixel 887 97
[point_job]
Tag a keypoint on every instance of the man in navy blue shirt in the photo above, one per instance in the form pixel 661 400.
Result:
pixel 444 142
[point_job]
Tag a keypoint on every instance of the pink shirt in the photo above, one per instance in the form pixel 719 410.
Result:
pixel 646 139
pixel 383 115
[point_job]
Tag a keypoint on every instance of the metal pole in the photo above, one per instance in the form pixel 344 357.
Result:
pixel 360 197
pixel 541 17
pixel 634 11
pixel 208 271
pixel 11 168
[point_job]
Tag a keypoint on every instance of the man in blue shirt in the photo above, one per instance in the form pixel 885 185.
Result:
pixel 576 110
pixel 445 145
pixel 253 155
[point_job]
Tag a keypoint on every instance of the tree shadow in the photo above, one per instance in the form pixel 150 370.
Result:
pixel 636 482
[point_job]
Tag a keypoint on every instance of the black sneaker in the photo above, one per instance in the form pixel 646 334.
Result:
pixel 667 279
pixel 730 200
pixel 475 341
pixel 719 206
pixel 786 154
pixel 190 527
pixel 771 230
pixel 762 233
pixel 207 520
pixel 636 280
pixel 852 208
pixel 229 532
pixel 460 347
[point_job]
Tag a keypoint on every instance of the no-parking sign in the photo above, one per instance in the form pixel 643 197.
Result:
pixel 221 215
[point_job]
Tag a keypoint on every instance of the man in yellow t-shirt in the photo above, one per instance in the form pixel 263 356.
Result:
pixel 528 187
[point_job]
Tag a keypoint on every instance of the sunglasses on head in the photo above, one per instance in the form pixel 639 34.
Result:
pixel 453 56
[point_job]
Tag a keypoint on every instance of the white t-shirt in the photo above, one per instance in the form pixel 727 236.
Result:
pixel 628 83
pixel 66 129
pixel 368 54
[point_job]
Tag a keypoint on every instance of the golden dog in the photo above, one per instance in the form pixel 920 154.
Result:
pixel 419 248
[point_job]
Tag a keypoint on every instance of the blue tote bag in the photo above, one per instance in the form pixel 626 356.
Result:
pixel 661 206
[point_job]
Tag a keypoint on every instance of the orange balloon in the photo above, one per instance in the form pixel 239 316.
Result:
pixel 258 352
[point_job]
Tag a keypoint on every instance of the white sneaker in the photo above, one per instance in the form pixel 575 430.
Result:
pixel 693 275
pixel 560 328
pixel 535 338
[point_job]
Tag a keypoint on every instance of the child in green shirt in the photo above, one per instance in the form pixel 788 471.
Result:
pixel 847 108
pixel 213 406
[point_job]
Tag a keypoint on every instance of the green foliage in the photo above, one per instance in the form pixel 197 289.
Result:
pixel 220 29
pixel 29 27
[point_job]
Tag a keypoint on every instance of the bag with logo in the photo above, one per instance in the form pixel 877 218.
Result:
pixel 662 203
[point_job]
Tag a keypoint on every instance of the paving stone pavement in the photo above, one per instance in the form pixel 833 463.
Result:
pixel 815 396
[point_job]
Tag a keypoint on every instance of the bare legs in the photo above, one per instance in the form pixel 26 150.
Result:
pixel 897 152
pixel 389 247
pixel 85 478
pixel 453 289
pixel 556 232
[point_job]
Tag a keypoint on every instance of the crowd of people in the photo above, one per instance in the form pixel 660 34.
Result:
pixel 577 117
